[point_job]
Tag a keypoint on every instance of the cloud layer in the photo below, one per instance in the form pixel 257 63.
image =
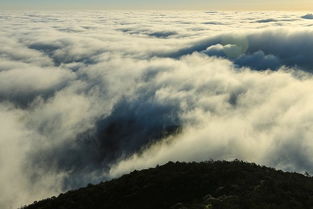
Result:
pixel 87 96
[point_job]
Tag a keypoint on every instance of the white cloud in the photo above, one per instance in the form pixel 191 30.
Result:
pixel 86 96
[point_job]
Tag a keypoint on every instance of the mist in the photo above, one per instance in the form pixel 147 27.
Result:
pixel 89 96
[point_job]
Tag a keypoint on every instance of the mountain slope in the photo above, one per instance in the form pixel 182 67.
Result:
pixel 216 185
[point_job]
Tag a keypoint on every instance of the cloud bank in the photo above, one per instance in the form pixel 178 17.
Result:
pixel 88 96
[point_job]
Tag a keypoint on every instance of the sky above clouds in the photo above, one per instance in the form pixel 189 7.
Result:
pixel 160 4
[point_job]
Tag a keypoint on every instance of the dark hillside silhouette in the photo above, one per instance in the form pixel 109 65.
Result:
pixel 210 185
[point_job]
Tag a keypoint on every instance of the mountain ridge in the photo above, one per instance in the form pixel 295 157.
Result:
pixel 180 185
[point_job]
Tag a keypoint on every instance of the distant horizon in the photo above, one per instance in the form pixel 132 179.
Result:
pixel 221 5
pixel 155 9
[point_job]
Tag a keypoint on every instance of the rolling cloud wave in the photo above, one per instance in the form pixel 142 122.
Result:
pixel 88 96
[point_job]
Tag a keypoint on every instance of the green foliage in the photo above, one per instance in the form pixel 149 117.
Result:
pixel 206 185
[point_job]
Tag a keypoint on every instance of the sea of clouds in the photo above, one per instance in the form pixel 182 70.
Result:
pixel 91 95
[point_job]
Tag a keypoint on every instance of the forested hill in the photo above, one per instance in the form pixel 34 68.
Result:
pixel 216 185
